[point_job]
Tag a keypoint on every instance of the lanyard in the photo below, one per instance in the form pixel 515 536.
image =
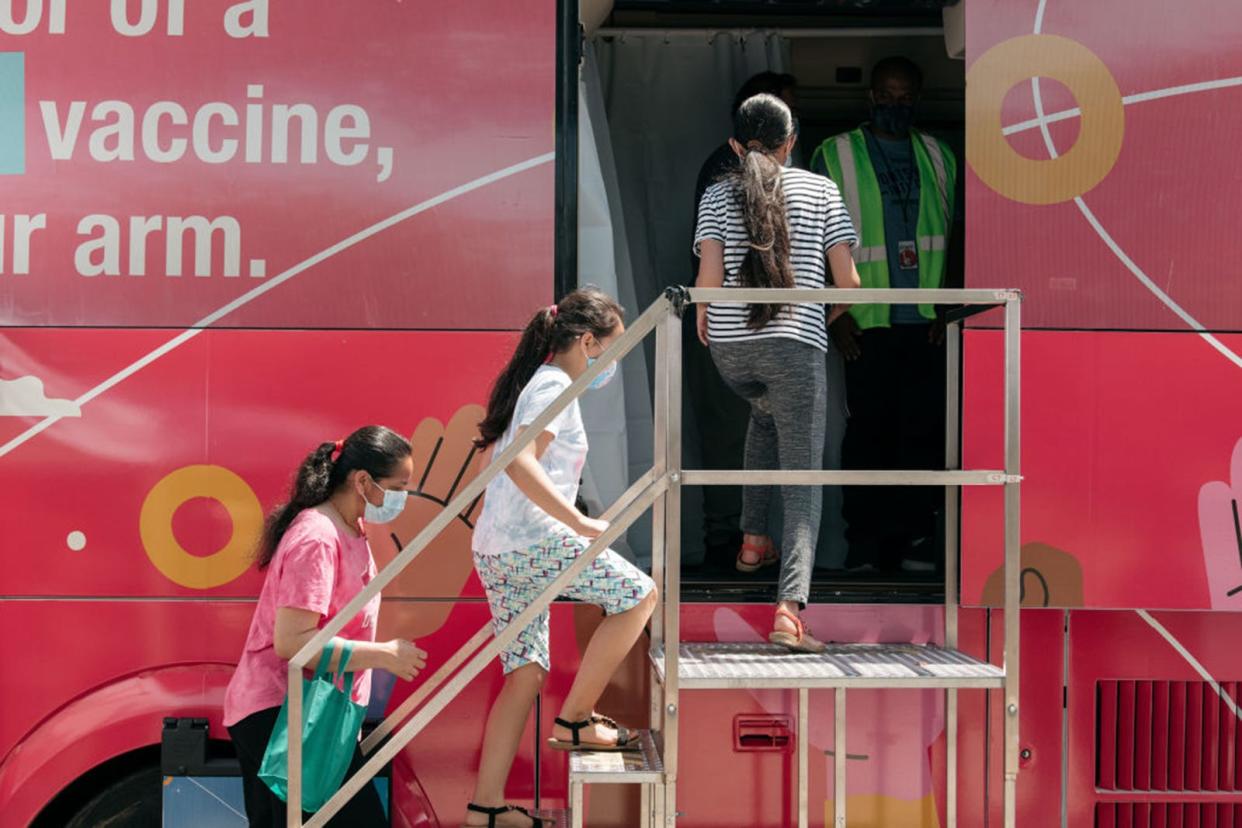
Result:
pixel 902 186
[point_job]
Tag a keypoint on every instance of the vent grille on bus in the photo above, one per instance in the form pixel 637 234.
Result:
pixel 1167 736
pixel 1168 814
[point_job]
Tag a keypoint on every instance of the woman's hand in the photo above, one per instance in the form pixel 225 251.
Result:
pixel 701 321
pixel 590 527
pixel 406 659
pixel 845 333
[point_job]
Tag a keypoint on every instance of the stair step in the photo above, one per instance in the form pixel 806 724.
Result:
pixel 717 666
pixel 560 817
pixel 635 767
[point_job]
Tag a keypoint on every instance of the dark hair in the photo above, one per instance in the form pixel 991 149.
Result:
pixel 762 125
pixel 773 83
pixel 552 330
pixel 900 66
pixel 374 449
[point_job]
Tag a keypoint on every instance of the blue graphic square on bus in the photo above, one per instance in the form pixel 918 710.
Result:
pixel 12 113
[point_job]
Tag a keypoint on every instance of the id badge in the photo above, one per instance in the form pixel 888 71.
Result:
pixel 908 255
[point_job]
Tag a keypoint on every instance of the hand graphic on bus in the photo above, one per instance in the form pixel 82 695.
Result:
pixel 1220 528
pixel 444 463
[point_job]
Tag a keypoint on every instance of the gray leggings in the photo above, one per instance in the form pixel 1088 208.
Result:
pixel 785 382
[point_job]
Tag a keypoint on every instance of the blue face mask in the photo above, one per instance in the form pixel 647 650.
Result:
pixel 389 510
pixel 893 119
pixel 604 378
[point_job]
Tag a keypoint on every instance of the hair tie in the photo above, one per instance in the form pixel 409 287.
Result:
pixel 336 450
pixel 553 310
pixel 762 248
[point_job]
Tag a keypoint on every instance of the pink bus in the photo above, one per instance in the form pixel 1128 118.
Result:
pixel 210 207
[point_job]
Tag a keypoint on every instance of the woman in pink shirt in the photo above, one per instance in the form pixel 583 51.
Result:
pixel 317 559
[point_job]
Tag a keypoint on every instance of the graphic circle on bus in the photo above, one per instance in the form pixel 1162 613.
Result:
pixel 1074 172
pixel 162 546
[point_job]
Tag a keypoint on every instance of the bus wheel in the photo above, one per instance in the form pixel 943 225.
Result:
pixel 133 801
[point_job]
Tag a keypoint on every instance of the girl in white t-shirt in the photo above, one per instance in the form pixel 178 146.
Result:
pixel 530 531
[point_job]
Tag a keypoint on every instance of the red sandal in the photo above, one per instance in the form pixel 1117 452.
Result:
pixel 802 642
pixel 768 556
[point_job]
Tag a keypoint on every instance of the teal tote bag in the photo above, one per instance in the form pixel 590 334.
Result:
pixel 331 722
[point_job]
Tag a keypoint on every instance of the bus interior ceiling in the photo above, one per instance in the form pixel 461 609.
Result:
pixel 665 75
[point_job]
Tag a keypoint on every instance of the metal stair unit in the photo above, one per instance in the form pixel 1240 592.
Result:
pixel 690 666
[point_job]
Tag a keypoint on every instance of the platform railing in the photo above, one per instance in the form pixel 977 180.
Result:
pixel 965 303
pixel 660 490
pixel 434 694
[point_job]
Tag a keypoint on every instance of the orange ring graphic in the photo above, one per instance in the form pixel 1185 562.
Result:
pixel 1085 164
pixel 169 556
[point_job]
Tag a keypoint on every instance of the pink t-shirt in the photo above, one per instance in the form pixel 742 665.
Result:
pixel 317 567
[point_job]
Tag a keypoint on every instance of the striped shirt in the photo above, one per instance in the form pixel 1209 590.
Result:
pixel 817 221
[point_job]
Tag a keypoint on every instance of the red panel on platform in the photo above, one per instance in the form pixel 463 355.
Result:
pixel 983 722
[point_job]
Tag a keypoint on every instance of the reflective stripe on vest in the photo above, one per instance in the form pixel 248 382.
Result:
pixel 849 164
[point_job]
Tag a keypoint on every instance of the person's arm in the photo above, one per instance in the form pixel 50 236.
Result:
pixel 954 277
pixel 844 275
pixel 711 275
pixel 709 241
pixel 841 324
pixel 295 627
pixel 955 251
pixel 532 480
pixel 840 239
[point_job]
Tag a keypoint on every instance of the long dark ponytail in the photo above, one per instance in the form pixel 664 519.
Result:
pixel 550 331
pixel 374 449
pixel 762 125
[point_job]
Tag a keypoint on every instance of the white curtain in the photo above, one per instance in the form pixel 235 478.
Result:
pixel 653 107
pixel 618 416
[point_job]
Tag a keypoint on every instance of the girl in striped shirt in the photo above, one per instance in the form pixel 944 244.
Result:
pixel 768 226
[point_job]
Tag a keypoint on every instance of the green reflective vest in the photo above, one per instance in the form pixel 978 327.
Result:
pixel 845 159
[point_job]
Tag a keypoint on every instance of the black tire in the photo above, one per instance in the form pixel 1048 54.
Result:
pixel 133 801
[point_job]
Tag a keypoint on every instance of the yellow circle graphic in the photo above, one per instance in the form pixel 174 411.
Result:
pixel 1075 172
pixel 169 557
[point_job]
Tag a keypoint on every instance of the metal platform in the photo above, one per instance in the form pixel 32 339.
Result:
pixel 639 767
pixel 716 666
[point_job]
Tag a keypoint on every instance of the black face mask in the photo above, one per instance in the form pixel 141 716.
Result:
pixel 893 119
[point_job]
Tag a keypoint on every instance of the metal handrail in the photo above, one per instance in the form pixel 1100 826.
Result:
pixel 480 638
pixel 843 477
pixel 665 479
pixel 423 717
pixel 854 296
pixel 624 344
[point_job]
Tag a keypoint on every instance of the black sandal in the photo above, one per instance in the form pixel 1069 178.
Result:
pixel 492 813
pixel 626 740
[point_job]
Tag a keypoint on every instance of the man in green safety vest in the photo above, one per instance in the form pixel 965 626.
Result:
pixel 899 185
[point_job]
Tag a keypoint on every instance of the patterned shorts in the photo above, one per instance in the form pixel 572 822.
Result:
pixel 514 579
